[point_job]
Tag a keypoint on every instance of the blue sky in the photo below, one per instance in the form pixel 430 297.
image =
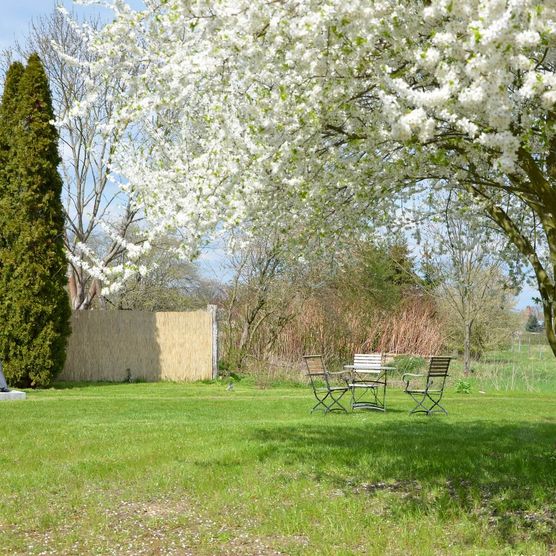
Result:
pixel 16 15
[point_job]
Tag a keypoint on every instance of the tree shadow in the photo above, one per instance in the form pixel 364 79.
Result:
pixel 505 473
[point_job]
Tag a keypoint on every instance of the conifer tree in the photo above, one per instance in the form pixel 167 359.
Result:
pixel 7 124
pixel 8 107
pixel 34 306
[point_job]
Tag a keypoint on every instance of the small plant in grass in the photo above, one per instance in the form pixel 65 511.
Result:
pixel 130 378
pixel 229 376
pixel 463 387
pixel 227 371
pixel 223 365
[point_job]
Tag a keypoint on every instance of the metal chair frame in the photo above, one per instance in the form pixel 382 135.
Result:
pixel 329 396
pixel 429 398
pixel 368 377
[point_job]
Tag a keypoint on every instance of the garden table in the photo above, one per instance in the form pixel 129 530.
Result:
pixel 368 381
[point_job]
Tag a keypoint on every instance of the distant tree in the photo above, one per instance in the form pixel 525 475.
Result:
pixel 34 305
pixel 533 324
pixel 465 271
pixel 258 296
pixel 373 276
pixel 404 269
pixel 173 284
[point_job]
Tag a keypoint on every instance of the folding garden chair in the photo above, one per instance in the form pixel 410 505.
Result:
pixel 428 398
pixel 368 381
pixel 328 396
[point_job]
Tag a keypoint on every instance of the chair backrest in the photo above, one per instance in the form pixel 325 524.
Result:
pixel 369 361
pixel 315 369
pixel 438 368
pixel 439 365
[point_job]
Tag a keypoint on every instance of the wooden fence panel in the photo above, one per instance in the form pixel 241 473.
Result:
pixel 111 345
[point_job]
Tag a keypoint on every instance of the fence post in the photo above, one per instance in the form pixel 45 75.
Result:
pixel 212 309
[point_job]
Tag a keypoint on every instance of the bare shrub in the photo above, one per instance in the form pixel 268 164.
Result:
pixel 337 332
pixel 413 328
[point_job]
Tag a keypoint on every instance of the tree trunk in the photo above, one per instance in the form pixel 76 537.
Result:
pixel 549 310
pixel 467 348
pixel 81 297
pixel 243 345
pixel 546 282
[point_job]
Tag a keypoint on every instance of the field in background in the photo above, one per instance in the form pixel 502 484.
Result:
pixel 150 469
pixel 527 365
pixel 532 369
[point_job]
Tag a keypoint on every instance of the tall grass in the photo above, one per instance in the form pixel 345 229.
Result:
pixel 412 329
pixel 522 367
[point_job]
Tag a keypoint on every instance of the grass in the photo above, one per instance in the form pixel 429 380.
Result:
pixel 197 469
pixel 526 367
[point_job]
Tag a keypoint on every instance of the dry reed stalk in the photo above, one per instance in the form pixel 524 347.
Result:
pixel 337 330
pixel 412 329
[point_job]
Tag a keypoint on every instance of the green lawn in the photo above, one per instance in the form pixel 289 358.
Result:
pixel 196 469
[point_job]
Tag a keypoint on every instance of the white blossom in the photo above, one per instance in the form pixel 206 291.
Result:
pixel 244 112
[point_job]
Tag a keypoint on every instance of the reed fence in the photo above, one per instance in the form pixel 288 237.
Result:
pixel 135 345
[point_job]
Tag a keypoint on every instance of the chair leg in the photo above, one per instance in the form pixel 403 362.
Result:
pixel 358 396
pixel 376 402
pixel 428 408
pixel 375 397
pixel 436 403
pixel 336 402
pixel 380 397
pixel 420 407
pixel 329 402
pixel 321 402
pixel 316 407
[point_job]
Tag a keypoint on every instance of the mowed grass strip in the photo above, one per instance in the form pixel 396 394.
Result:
pixel 197 469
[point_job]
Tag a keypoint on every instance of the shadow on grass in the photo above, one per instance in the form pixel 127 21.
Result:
pixel 502 473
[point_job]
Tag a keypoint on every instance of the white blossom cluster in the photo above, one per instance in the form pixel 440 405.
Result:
pixel 304 114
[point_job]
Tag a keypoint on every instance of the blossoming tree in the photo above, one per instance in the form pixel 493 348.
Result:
pixel 307 113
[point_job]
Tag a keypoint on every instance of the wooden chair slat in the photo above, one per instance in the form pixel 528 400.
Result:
pixel 368 392
pixel 368 360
